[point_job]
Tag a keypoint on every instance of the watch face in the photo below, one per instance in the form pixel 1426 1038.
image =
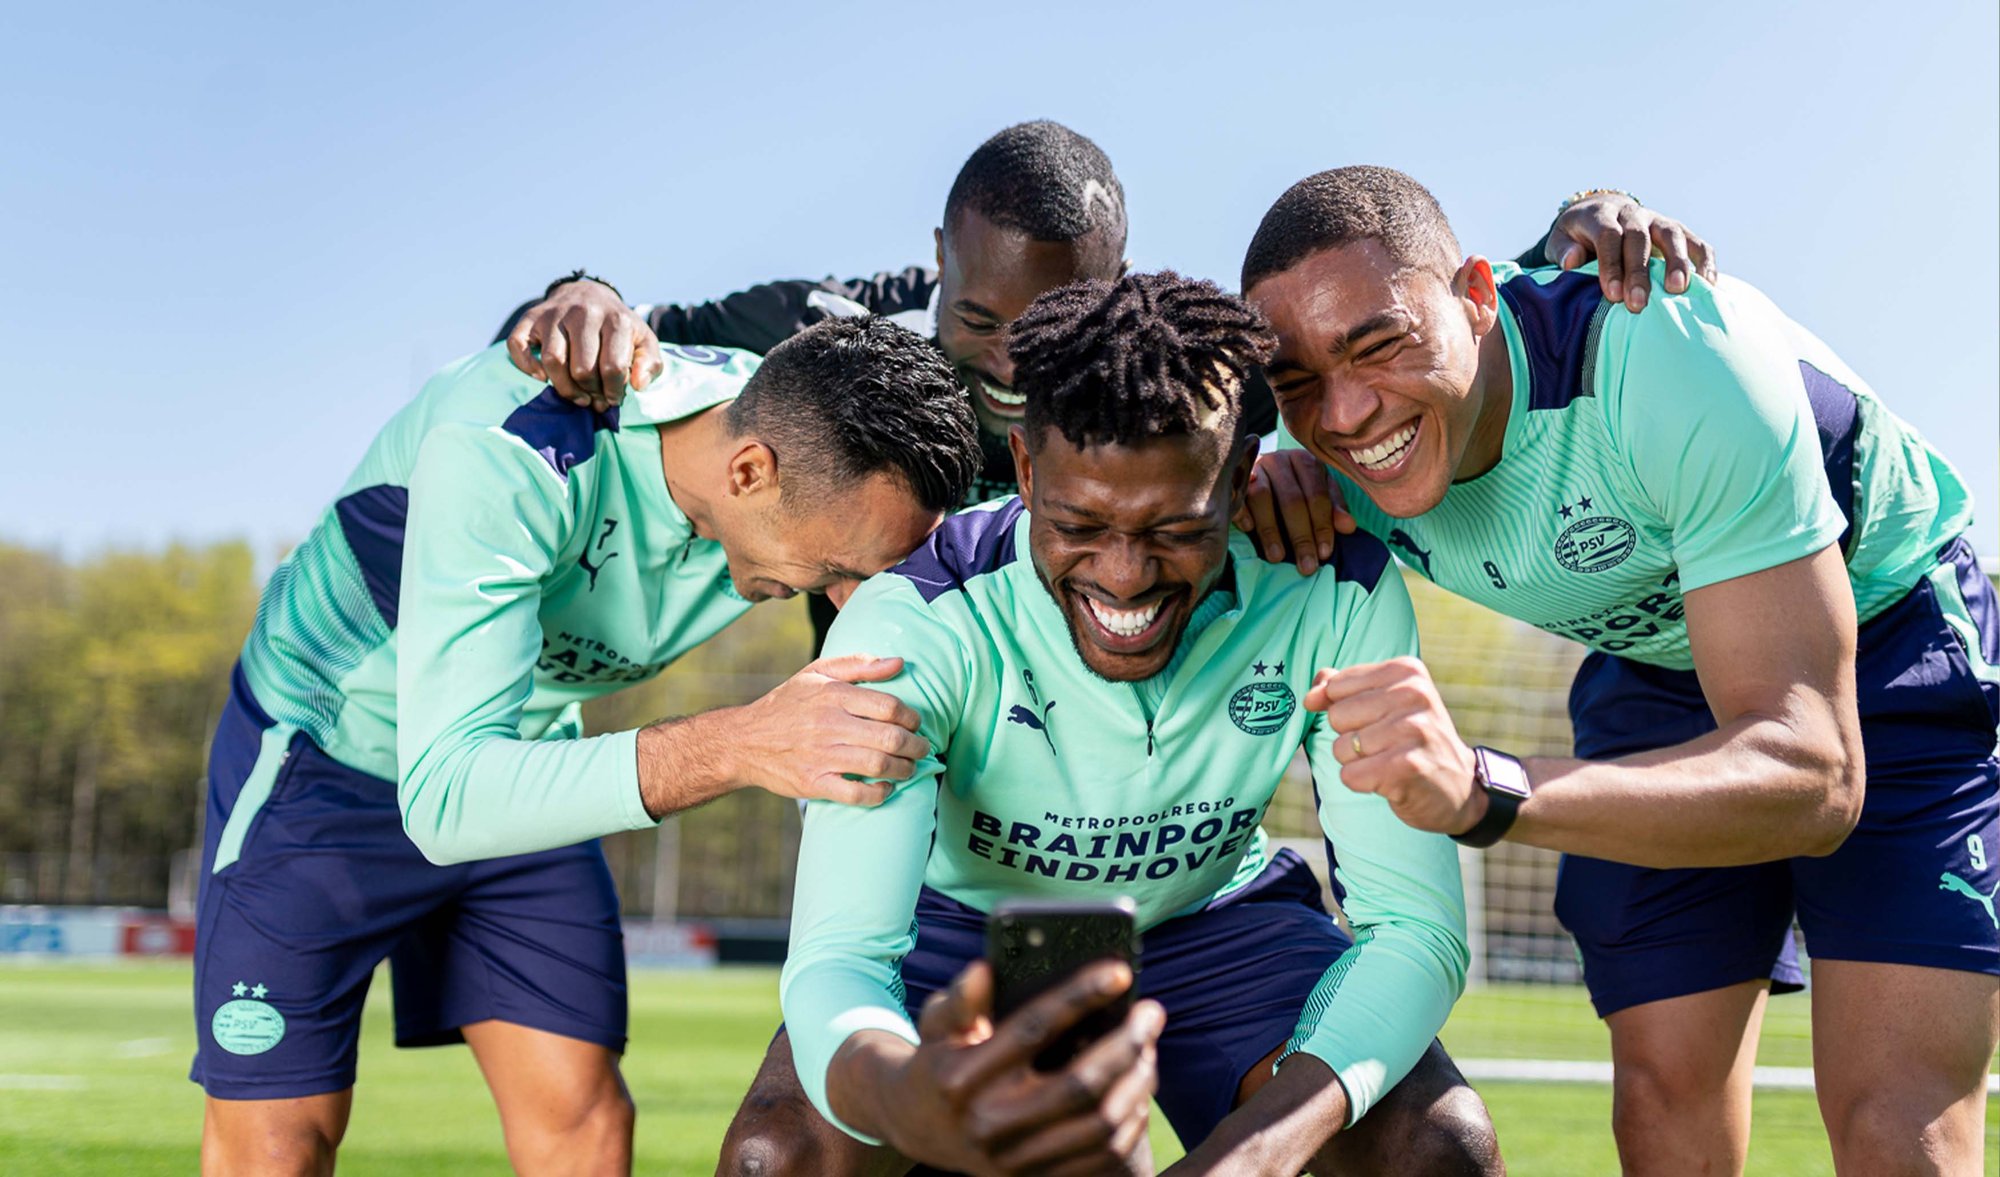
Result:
pixel 1503 773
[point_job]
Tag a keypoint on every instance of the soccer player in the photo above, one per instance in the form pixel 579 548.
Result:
pixel 1109 682
pixel 399 761
pixel 1704 495
pixel 1034 207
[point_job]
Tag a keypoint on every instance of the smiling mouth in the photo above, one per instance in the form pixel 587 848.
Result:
pixel 1002 400
pixel 1388 455
pixel 1126 631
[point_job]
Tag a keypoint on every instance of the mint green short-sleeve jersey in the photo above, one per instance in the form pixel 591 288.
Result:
pixel 498 557
pixel 1648 455
pixel 1048 781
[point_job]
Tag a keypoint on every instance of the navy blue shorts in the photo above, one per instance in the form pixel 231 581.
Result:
pixel 1914 884
pixel 318 884
pixel 1234 978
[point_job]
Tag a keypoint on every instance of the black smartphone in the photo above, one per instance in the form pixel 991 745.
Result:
pixel 1036 944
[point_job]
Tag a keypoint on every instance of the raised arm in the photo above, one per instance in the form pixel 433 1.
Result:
pixel 1619 233
pixel 584 340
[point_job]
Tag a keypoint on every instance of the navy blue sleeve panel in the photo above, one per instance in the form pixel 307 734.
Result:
pixel 762 317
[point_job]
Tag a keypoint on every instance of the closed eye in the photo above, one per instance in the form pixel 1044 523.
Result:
pixel 1381 348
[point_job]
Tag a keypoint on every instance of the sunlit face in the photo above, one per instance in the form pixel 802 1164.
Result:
pixel 1376 370
pixel 987 275
pixel 1129 539
pixel 824 544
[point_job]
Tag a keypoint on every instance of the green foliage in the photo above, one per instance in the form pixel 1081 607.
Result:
pixel 114 668
pixel 112 671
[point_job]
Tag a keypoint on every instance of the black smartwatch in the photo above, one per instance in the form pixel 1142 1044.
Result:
pixel 1506 785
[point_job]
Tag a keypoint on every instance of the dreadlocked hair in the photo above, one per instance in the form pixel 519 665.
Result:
pixel 1150 355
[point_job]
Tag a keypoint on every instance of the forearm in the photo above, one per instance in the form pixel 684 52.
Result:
pixel 860 1078
pixel 488 798
pixel 687 762
pixel 1278 1129
pixel 1755 790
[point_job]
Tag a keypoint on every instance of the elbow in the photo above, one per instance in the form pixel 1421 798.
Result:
pixel 1837 808
pixel 424 825
pixel 1830 776
pixel 437 849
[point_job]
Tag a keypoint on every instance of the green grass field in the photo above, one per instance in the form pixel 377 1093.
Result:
pixel 93 1065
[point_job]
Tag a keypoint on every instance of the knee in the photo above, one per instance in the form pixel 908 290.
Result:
pixel 1455 1138
pixel 290 1149
pixel 269 1143
pixel 1450 1135
pixel 768 1151
pixel 1887 1131
pixel 1644 1092
pixel 590 1133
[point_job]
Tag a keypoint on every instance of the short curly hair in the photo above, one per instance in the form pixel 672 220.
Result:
pixel 851 397
pixel 1044 180
pixel 1149 355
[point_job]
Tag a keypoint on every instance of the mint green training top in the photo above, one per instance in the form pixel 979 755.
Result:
pixel 499 556
pixel 1647 455
pixel 1048 781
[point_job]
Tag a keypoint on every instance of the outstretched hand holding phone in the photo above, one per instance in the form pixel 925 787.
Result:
pixel 969 1098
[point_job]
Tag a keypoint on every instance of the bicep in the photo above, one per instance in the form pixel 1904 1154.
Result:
pixel 1763 639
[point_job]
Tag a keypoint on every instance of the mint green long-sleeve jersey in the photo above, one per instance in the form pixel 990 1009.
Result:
pixel 499 556
pixel 1048 781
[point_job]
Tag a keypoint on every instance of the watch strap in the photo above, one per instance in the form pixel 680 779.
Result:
pixel 1505 783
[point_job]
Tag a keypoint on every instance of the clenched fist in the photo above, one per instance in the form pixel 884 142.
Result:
pixel 1397 741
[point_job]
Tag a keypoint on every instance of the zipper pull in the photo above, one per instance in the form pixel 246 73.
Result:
pixel 1149 737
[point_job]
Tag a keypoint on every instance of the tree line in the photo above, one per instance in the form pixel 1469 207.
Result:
pixel 115 666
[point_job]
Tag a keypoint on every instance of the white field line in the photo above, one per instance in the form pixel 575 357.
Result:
pixel 41 1083
pixel 143 1047
pixel 1535 1070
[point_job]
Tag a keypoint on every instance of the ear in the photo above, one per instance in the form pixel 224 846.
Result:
pixel 1480 295
pixel 937 235
pixel 753 469
pixel 1024 463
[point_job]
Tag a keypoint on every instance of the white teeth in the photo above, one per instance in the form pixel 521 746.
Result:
pixel 1126 623
pixel 1384 453
pixel 1004 396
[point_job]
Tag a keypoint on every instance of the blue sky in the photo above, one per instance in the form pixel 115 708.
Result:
pixel 237 237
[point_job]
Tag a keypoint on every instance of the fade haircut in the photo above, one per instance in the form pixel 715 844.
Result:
pixel 1358 203
pixel 849 398
pixel 1044 180
pixel 1150 355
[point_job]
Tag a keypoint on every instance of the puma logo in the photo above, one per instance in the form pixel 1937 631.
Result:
pixel 1027 718
pixel 1401 539
pixel 583 558
pixel 1951 882
pixel 583 562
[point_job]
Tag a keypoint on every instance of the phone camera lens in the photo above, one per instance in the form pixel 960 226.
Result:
pixel 1036 937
